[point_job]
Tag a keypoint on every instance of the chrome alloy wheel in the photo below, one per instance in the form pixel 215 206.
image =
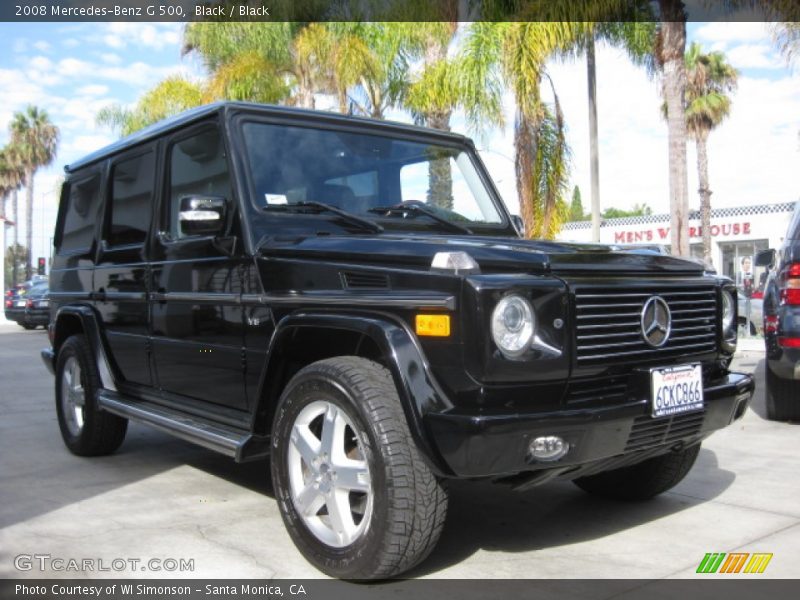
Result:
pixel 329 474
pixel 73 396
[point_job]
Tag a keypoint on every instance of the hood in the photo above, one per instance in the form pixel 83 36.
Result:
pixel 493 254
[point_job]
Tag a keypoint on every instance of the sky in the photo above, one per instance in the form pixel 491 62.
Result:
pixel 73 70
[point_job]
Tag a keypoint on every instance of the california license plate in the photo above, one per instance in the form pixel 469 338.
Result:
pixel 676 390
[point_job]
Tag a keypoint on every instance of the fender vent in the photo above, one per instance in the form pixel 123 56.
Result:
pixel 352 280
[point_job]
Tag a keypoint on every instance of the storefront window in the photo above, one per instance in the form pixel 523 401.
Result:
pixel 738 264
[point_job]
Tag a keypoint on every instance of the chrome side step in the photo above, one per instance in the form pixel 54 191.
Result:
pixel 238 444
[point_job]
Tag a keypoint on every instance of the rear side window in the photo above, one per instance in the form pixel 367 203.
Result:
pixel 83 201
pixel 131 200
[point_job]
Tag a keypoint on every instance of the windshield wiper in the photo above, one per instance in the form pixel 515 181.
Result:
pixel 364 224
pixel 421 210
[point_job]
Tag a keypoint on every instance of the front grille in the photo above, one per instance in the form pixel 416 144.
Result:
pixel 609 323
pixel 611 390
pixel 648 432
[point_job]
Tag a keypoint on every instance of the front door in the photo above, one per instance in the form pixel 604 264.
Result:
pixel 196 281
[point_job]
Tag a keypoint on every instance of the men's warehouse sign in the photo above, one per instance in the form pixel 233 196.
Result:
pixel 661 234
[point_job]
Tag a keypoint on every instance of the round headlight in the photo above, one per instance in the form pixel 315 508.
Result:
pixel 728 316
pixel 513 324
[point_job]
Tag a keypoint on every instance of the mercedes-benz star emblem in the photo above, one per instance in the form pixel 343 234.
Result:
pixel 656 322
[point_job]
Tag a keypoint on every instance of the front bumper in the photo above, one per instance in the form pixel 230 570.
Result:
pixel 484 445
pixel 37 317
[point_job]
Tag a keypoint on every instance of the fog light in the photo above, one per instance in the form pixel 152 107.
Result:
pixel 548 447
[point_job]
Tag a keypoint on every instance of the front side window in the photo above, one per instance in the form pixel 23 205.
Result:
pixel 131 200
pixel 364 173
pixel 197 167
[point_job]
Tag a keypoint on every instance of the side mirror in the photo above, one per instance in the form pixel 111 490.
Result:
pixel 202 215
pixel 765 258
pixel 518 224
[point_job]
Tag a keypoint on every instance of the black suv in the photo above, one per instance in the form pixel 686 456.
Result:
pixel 782 324
pixel 351 298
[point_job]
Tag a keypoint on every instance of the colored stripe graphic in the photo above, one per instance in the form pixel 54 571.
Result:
pixel 758 562
pixel 711 562
pixel 735 562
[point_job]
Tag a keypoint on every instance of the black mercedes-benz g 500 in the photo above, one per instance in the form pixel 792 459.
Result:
pixel 351 298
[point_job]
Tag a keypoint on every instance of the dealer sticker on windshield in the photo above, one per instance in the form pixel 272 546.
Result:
pixel 676 390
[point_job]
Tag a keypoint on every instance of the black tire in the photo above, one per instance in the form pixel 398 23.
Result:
pixel 28 326
pixel 643 480
pixel 409 504
pixel 100 433
pixel 783 398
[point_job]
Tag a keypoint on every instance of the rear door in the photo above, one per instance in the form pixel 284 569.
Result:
pixel 197 280
pixel 122 273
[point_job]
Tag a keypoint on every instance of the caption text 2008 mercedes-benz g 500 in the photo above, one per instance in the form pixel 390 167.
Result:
pixel 352 299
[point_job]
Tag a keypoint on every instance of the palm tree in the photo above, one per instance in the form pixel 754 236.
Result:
pixel 669 52
pixel 10 181
pixel 517 52
pixel 709 79
pixel 258 61
pixel 171 96
pixel 637 38
pixel 36 140
pixel 787 38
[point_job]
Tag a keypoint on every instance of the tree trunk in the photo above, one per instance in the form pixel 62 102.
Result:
pixel 15 212
pixel 705 195
pixel 594 160
pixel 342 97
pixel 673 48
pixel 440 175
pixel 28 224
pixel 524 152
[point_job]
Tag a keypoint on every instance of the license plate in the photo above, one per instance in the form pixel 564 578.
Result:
pixel 20 303
pixel 676 390
pixel 44 303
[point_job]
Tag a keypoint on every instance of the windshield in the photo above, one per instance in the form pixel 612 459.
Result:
pixel 367 175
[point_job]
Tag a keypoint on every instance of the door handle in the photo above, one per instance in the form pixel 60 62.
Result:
pixel 160 296
pixel 99 295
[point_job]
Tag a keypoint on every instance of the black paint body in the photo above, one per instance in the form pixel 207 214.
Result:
pixel 216 326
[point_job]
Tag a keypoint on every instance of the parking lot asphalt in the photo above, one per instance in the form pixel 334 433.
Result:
pixel 159 497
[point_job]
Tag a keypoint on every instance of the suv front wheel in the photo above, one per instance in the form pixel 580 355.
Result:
pixel 355 494
pixel 87 430
pixel 643 480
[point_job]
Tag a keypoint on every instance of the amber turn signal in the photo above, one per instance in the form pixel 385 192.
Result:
pixel 433 325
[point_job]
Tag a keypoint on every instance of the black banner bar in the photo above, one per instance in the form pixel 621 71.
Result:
pixel 42 11
pixel 732 588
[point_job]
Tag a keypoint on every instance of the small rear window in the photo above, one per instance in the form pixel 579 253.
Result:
pixel 83 201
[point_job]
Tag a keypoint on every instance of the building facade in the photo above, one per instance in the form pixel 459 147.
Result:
pixel 737 234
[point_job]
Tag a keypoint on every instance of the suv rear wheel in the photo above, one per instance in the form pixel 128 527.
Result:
pixel 355 494
pixel 643 480
pixel 87 430
pixel 783 398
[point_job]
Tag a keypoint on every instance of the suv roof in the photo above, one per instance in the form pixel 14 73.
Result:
pixel 201 112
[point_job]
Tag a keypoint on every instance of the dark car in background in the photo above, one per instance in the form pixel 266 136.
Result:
pixel 37 307
pixel 28 304
pixel 782 324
